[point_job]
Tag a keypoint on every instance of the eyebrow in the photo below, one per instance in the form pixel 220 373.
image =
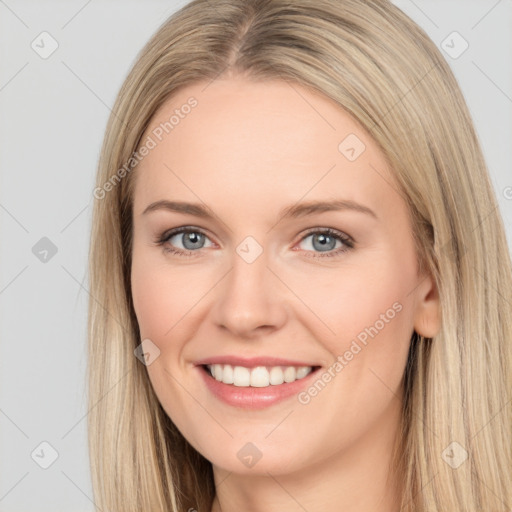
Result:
pixel 293 211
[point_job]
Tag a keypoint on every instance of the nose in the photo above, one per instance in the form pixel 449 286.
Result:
pixel 250 300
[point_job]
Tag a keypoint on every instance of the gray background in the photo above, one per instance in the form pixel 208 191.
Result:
pixel 53 113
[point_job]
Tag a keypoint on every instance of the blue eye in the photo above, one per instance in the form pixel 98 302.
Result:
pixel 191 240
pixel 325 242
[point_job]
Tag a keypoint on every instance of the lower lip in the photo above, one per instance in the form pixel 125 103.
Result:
pixel 253 397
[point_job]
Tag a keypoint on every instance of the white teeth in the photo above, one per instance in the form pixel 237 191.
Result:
pixel 227 374
pixel 259 376
pixel 241 376
pixel 302 371
pixel 217 372
pixel 276 376
pixel 290 374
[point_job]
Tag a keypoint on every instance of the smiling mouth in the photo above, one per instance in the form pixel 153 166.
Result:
pixel 258 376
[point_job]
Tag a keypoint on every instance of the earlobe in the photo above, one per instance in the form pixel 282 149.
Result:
pixel 427 319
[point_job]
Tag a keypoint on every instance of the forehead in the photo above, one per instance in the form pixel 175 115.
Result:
pixel 257 144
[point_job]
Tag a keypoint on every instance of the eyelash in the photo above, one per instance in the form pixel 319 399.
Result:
pixel 348 243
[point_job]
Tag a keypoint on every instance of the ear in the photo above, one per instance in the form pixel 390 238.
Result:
pixel 427 315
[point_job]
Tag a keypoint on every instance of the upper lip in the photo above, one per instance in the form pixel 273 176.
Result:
pixel 250 362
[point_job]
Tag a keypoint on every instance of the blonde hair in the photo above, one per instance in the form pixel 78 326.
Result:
pixel 379 66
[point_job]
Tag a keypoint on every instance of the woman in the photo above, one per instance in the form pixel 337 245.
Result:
pixel 300 282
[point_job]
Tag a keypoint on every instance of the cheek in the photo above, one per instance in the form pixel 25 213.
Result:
pixel 355 297
pixel 159 298
pixel 152 303
pixel 368 310
pixel 161 301
pixel 162 295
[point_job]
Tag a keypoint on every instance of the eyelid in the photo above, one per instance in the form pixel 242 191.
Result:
pixel 334 232
pixel 170 233
pixel 347 241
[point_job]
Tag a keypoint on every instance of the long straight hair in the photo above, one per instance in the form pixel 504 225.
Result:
pixel 382 69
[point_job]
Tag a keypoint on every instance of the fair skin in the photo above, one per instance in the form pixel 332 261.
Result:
pixel 247 151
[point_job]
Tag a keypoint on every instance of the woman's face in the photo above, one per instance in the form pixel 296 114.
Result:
pixel 259 291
